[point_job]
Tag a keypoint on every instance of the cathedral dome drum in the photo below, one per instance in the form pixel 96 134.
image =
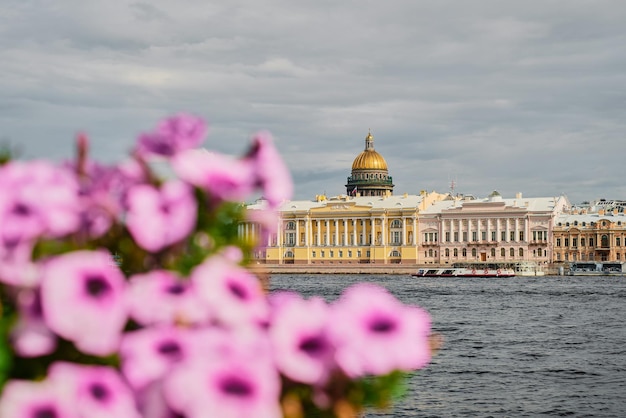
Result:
pixel 369 173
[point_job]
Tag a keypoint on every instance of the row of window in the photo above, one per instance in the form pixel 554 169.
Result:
pixel 604 242
pixel 584 257
pixel 455 252
pixel 331 253
pixel 454 236
pixel 291 225
pixel 340 254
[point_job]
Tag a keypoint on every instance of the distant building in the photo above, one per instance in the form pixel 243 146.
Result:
pixel 493 230
pixel 590 235
pixel 368 225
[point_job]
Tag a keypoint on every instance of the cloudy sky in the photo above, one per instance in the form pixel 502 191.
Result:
pixel 515 96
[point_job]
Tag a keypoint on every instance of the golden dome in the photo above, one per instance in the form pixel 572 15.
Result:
pixel 369 159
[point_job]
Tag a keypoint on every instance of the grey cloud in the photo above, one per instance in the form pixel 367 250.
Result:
pixel 522 96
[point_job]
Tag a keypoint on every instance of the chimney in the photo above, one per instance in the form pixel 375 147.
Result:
pixel 518 195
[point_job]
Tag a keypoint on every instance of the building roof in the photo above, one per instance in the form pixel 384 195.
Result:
pixel 374 202
pixel 495 202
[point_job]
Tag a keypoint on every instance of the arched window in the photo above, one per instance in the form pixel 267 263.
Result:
pixel 604 241
pixel 291 225
pixel 447 252
pixel 464 253
pixel 493 252
pixel 473 252
pixel 512 252
pixel 289 254
pixel 396 223
pixel 521 252
pixel 395 253
pixel 455 252
pixel 502 252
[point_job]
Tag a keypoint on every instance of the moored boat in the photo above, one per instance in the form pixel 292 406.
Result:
pixel 605 268
pixel 464 272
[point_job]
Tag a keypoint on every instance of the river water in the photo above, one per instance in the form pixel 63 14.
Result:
pixel 518 347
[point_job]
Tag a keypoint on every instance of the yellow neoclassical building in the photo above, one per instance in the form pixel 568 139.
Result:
pixel 367 225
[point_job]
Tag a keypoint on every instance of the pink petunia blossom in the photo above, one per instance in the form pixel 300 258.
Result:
pixel 37 199
pixel 303 349
pixel 172 135
pixel 222 176
pixel 160 217
pixel 234 294
pixel 30 336
pixel 161 296
pixel 271 172
pixel 240 383
pixel 28 399
pixel 266 219
pixel 83 300
pixel 16 265
pixel 375 333
pixel 94 391
pixel 148 354
pixel 103 190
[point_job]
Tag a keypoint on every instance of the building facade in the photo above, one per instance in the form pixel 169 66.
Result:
pixel 347 230
pixel 492 230
pixel 590 236
pixel 370 225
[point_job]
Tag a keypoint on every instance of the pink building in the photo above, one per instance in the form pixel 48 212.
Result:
pixel 489 230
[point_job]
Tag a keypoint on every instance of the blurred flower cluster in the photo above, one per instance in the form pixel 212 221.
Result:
pixel 129 294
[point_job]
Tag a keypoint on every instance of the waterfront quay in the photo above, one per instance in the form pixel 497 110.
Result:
pixel 391 269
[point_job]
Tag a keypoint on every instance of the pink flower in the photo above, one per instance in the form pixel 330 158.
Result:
pixel 271 173
pixel 36 199
pixel 28 399
pixel 94 391
pixel 266 219
pixel 162 296
pixel 16 265
pixel 30 336
pixel 160 217
pixel 230 386
pixel 175 134
pixel 376 334
pixel 83 300
pixel 223 177
pixel 148 354
pixel 234 294
pixel 303 350
pixel 103 191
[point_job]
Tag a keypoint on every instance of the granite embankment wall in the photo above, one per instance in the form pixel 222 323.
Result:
pixel 398 269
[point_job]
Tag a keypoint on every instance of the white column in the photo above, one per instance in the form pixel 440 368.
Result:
pixel 327 230
pixel 319 232
pixel 354 235
pixel 345 232
pixel 403 240
pixel 384 231
pixel 297 232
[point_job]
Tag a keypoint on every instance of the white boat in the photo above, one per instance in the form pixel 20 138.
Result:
pixel 464 272
pixel 591 268
pixel 528 268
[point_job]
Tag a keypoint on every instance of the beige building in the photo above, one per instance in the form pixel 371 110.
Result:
pixel 368 225
pixel 584 236
pixel 347 230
